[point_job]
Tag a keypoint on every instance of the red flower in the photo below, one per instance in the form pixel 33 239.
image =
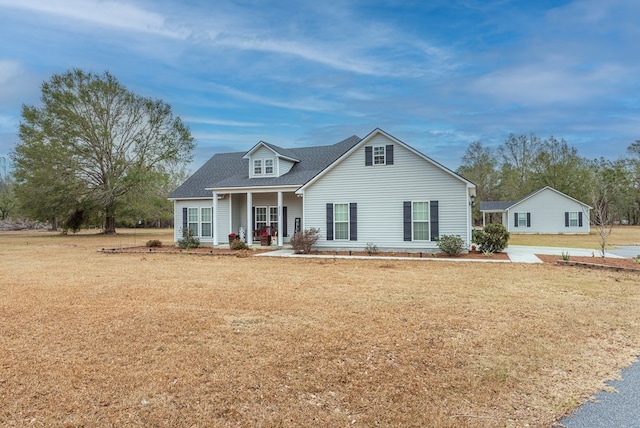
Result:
pixel 265 233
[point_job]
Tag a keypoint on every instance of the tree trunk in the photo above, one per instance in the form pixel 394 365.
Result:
pixel 110 221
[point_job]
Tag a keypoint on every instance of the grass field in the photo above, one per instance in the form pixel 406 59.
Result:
pixel 93 339
pixel 620 235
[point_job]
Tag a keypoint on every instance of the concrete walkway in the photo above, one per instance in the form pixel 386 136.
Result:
pixel 516 253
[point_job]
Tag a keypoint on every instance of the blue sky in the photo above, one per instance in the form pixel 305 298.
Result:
pixel 438 74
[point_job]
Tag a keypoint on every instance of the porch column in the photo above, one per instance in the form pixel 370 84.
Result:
pixel 484 223
pixel 249 233
pixel 231 214
pixel 280 229
pixel 214 219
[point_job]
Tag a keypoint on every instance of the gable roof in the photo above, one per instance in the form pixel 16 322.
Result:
pixel 367 139
pixel 231 170
pixel 505 206
pixel 278 151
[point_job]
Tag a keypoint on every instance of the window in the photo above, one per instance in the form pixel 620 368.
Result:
pixel 420 221
pixel 261 217
pixel 257 167
pixel 273 218
pixel 268 166
pixel 192 220
pixel 522 220
pixel 205 216
pixel 378 155
pixel 573 219
pixel 341 221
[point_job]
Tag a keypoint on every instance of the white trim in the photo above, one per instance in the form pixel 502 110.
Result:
pixel 256 189
pixel 348 221
pixel 421 221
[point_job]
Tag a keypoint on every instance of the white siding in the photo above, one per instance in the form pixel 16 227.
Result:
pixel 380 191
pixel 284 166
pixel 547 210
pixel 178 219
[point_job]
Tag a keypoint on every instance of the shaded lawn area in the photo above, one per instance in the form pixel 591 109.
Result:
pixel 145 340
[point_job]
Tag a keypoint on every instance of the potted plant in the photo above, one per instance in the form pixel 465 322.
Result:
pixel 265 239
pixel 233 237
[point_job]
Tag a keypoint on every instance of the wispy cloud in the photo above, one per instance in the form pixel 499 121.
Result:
pixel 123 15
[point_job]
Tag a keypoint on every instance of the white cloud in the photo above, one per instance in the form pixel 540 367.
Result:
pixel 107 13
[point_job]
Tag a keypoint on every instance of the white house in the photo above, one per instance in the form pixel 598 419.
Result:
pixel 375 190
pixel 546 211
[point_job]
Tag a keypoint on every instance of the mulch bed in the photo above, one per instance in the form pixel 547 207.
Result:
pixel 593 262
pixel 470 255
pixel 200 251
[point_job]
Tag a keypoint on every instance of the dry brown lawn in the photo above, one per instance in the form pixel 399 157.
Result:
pixel 620 235
pixel 93 339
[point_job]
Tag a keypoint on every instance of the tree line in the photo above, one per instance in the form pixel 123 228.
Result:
pixel 525 163
pixel 94 152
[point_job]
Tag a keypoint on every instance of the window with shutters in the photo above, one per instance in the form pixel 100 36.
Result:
pixel 341 221
pixel 420 221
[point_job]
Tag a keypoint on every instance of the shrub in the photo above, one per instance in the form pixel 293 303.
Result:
pixel 303 241
pixel 493 239
pixel 154 243
pixel 371 248
pixel 188 240
pixel 566 256
pixel 451 245
pixel 238 245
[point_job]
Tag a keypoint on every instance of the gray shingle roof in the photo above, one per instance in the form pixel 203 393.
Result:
pixel 495 205
pixel 231 170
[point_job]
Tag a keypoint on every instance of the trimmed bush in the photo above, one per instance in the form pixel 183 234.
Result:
pixel 156 243
pixel 238 245
pixel 302 242
pixel 451 245
pixel 493 239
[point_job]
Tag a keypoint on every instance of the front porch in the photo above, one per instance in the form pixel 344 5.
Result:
pixel 265 217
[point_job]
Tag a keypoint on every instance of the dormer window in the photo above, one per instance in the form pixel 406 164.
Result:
pixel 378 155
pixel 268 166
pixel 257 167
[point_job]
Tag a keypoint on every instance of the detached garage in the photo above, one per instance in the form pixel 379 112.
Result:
pixel 545 211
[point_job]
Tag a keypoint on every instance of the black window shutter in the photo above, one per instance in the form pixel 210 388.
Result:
pixel 579 219
pixel 433 215
pixel 368 156
pixel 353 221
pixel 407 220
pixel 389 154
pixel 184 218
pixel 284 222
pixel 528 219
pixel 329 222
pixel 566 219
pixel 515 219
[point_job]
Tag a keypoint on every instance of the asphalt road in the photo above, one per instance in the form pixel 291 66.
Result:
pixel 620 409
